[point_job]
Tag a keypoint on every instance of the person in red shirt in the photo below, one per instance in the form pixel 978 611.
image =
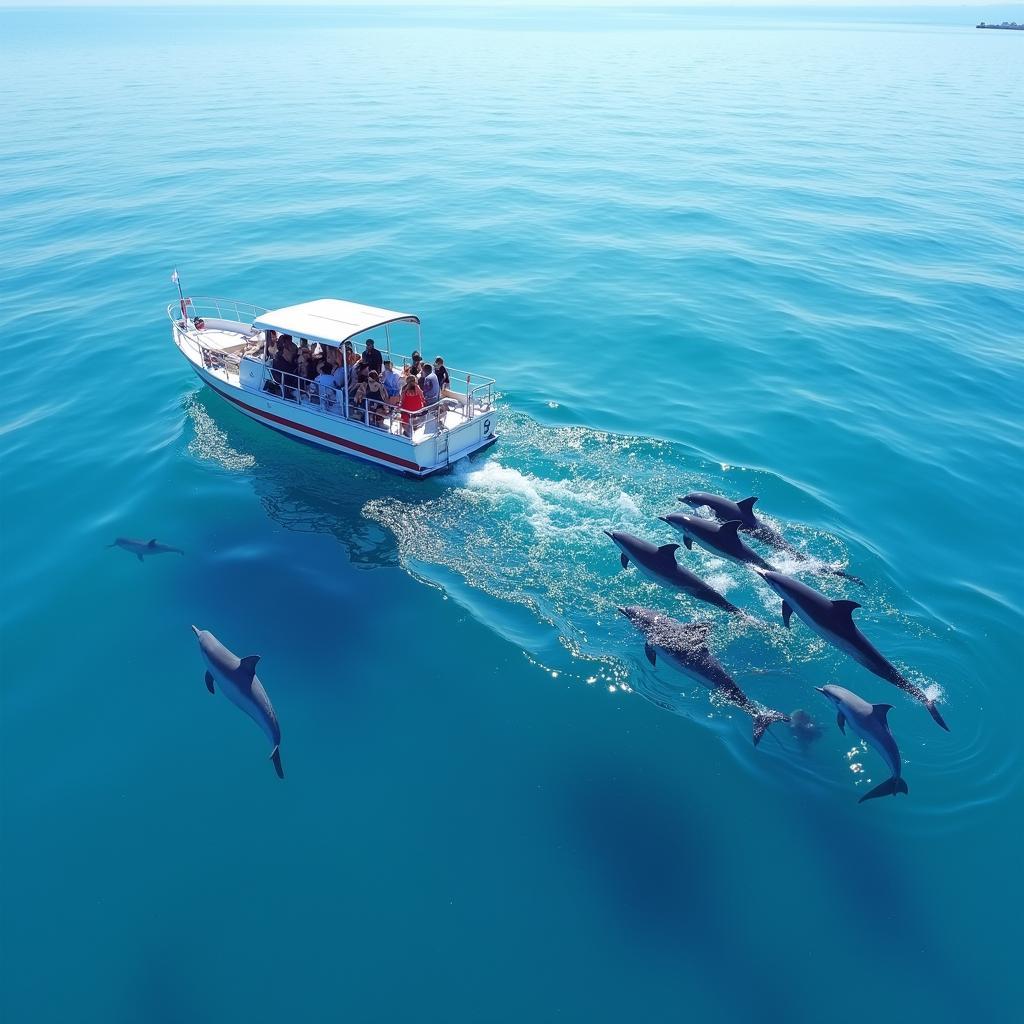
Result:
pixel 412 401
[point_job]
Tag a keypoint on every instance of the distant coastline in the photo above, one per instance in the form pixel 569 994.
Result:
pixel 1010 26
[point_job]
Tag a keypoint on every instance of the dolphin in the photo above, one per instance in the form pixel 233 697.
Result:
pixel 719 538
pixel 833 620
pixel 683 644
pixel 142 547
pixel 726 511
pixel 238 679
pixel 868 721
pixel 660 565
pixel 804 728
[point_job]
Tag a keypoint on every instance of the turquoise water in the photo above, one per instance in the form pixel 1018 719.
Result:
pixel 776 255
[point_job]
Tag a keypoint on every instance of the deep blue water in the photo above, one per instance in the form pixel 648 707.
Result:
pixel 776 253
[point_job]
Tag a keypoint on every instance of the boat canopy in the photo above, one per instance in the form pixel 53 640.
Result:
pixel 331 321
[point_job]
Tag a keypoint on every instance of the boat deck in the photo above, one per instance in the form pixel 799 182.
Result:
pixel 226 347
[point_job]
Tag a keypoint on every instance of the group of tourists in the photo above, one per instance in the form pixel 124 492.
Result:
pixel 324 375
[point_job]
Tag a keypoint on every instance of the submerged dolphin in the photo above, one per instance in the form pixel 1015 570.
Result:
pixel 743 512
pixel 718 538
pixel 868 721
pixel 804 728
pixel 238 679
pixel 660 565
pixel 683 644
pixel 833 620
pixel 144 547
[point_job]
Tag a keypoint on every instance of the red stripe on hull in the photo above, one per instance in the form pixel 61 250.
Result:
pixel 340 441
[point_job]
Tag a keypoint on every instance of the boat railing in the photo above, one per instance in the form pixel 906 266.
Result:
pixel 479 396
pixel 374 413
pixel 214 307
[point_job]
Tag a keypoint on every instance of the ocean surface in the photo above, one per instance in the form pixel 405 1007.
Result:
pixel 772 253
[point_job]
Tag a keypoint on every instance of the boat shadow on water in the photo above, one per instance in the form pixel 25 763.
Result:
pixel 303 488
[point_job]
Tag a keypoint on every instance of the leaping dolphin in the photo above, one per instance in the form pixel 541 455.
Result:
pixel 660 565
pixel 869 722
pixel 719 538
pixel 240 684
pixel 726 511
pixel 833 620
pixel 144 547
pixel 683 644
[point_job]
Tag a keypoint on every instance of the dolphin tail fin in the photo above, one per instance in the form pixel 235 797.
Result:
pixel 934 712
pixel 888 788
pixel 275 756
pixel 765 718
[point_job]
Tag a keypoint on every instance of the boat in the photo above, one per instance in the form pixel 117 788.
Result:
pixel 229 344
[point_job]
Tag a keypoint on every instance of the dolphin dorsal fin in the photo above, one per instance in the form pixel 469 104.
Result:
pixel 668 551
pixel 845 607
pixel 747 505
pixel 152 543
pixel 881 710
pixel 730 528
pixel 248 664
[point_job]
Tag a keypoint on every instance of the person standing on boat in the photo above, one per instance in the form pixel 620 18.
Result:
pixel 444 379
pixel 391 383
pixel 411 402
pixel 284 371
pixel 372 356
pixel 429 384
pixel 431 392
pixel 376 400
pixel 324 390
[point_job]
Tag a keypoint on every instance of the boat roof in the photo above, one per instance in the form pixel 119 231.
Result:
pixel 332 321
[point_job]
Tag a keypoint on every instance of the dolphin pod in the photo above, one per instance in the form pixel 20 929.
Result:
pixel 141 548
pixel 869 722
pixel 833 621
pixel 660 565
pixel 240 684
pixel 684 645
pixel 725 510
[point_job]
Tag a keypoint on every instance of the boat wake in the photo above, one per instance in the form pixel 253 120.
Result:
pixel 517 539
